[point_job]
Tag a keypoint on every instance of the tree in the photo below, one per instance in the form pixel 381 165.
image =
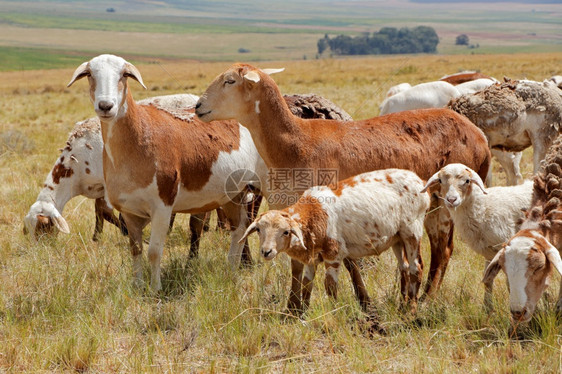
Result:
pixel 462 39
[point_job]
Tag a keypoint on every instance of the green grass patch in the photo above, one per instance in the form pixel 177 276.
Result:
pixel 15 58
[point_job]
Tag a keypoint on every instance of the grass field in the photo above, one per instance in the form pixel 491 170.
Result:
pixel 68 304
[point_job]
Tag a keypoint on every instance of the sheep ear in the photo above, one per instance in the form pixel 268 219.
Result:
pixel 493 267
pixel 554 257
pixel 297 236
pixel 478 181
pixel 81 72
pixel 431 181
pixel 253 227
pixel 252 76
pixel 133 72
pixel 272 71
pixel 61 224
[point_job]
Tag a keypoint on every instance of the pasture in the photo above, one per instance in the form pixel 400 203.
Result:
pixel 68 304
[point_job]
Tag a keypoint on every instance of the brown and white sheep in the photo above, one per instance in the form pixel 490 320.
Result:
pixel 362 216
pixel 156 163
pixel 530 256
pixel 422 141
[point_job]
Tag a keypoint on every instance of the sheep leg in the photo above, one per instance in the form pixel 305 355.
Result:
pixel 539 151
pixel 159 230
pixel 238 219
pixel 196 223
pixel 510 163
pixel 357 282
pixel 439 227
pixel 400 254
pixel 488 305
pixel 308 284
pixel 294 303
pixel 331 280
pixel 412 247
pixel 135 225
pixel 221 219
pixel 104 212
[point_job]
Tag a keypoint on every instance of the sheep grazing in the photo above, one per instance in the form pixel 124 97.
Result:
pixel 463 76
pixel 421 141
pixel 424 95
pixel 364 215
pixel 515 115
pixel 530 256
pixel 484 218
pixel 156 163
pixel 78 171
pixel 397 89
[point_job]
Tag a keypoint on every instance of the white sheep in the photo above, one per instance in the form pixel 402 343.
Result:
pixel 424 95
pixel 530 257
pixel 363 216
pixel 475 85
pixel 397 89
pixel 484 218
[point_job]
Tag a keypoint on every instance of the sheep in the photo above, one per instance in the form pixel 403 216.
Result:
pixel 515 115
pixel 156 163
pixel 421 141
pixel 463 76
pixel 471 87
pixel 557 80
pixel 484 218
pixel 397 89
pixel 364 215
pixel 529 257
pixel 424 95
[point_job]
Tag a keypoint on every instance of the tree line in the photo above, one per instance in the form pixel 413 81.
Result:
pixel 388 40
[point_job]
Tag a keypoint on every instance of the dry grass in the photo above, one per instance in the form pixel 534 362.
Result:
pixel 67 304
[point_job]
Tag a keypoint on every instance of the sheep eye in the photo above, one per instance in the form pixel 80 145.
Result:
pixel 286 233
pixel 467 181
pixel 439 180
pixel 229 81
pixel 258 230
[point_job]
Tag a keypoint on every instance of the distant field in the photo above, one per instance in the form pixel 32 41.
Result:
pixel 54 31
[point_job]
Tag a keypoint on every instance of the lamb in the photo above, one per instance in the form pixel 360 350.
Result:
pixel 364 215
pixel 530 256
pixel 515 115
pixel 421 141
pixel 397 89
pixel 463 76
pixel 157 163
pixel 484 218
pixel 424 95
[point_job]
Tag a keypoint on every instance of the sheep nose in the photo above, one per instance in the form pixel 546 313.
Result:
pixel 198 105
pixel 105 105
pixel 517 315
pixel 452 199
pixel 266 253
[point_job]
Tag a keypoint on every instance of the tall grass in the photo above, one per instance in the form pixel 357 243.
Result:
pixel 68 304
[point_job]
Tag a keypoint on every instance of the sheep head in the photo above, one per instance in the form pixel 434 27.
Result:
pixel 455 181
pixel 527 260
pixel 234 94
pixel 278 232
pixel 42 219
pixel 107 75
